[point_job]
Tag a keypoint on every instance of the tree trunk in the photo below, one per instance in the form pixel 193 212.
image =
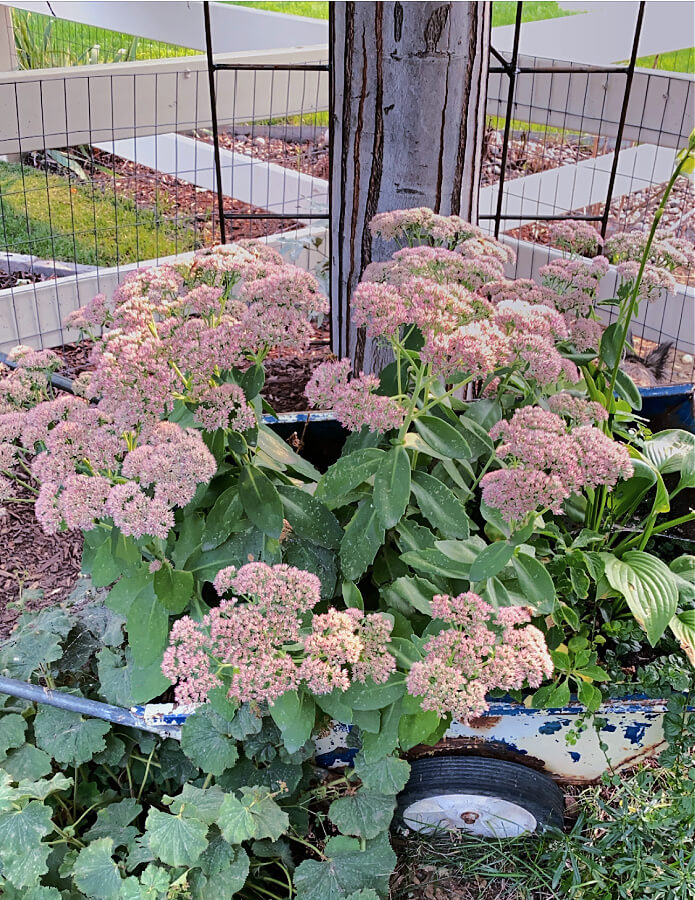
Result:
pixel 409 83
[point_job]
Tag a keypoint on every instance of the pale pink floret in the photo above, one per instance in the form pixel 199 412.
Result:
pixel 224 406
pixel 354 402
pixel 486 649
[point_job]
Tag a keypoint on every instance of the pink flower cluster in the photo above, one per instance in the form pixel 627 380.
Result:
pixel 354 402
pixel 574 283
pixel 550 459
pixel 173 330
pixel 421 224
pixel 485 649
pixel 576 236
pixel 270 643
pixel 27 384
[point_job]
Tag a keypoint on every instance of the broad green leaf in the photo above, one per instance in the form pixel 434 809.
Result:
pixel 321 562
pixel 626 388
pixel 67 736
pixel 225 517
pixel 440 506
pixel 442 437
pixel 174 587
pixel 175 840
pixel 417 728
pixel 496 594
pixel 334 705
pixel 628 494
pixel 352 598
pixel 245 723
pixel 122 683
pixel 255 815
pixel 27 762
pixel 347 869
pixel 362 539
pixel 374 696
pixel 412 536
pixel 197 803
pixel 148 628
pixel 39 790
pixel 223 883
pixel 310 518
pixel 610 346
pixel 12 728
pixel 189 537
pixel 95 872
pixel 294 713
pixel 409 593
pixel 477 438
pixel 114 822
pixel 364 814
pixel 34 642
pixel 348 473
pixel 668 451
pixel 535 583
pixel 376 746
pixel 281 452
pixel 434 562
pixel 392 486
pixel 648 586
pixel 22 853
pixel 122 594
pixel 205 741
pixel 683 627
pixel 385 776
pixel 491 560
pixel 234 552
pixel 589 695
pixel 485 413
pixel 261 501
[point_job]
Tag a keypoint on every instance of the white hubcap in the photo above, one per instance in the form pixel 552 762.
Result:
pixel 474 813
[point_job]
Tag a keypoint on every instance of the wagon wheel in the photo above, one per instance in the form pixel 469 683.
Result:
pixel 485 797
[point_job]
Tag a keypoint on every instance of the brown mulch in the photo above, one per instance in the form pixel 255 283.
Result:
pixel 307 156
pixel 36 569
pixel 15 279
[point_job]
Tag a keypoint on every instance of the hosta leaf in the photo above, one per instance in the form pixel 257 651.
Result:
pixel 440 506
pixel 22 855
pixel 649 588
pixel 385 776
pixel 491 560
pixel 362 539
pixel 205 740
pixel 175 840
pixel 148 627
pixel 392 486
pixel 67 736
pixel 346 869
pixel 669 451
pixel 310 518
pixel 123 683
pixel 95 872
pixel 442 437
pixel 347 473
pixel 535 583
pixel 683 627
pixel 363 814
pixel 12 728
pixel 294 713
pixel 261 501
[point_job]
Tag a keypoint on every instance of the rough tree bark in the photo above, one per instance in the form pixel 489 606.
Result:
pixel 409 82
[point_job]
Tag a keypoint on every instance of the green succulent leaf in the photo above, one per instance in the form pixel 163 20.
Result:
pixel 362 539
pixel 440 506
pixel 148 628
pixel 95 872
pixel 535 583
pixel 491 560
pixel 392 486
pixel 261 501
pixel 348 473
pixel 442 437
pixel 294 713
pixel 310 518
pixel 174 587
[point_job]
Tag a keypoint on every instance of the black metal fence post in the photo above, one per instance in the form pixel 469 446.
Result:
pixel 511 72
pixel 213 116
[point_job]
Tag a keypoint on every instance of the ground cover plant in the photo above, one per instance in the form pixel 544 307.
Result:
pixel 485 531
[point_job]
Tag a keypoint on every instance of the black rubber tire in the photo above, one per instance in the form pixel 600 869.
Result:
pixel 532 790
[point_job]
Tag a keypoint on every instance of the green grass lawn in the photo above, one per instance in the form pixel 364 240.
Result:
pixel 503 11
pixel 675 61
pixel 56 218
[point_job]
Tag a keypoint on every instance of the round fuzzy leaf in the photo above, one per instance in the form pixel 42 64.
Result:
pixel 347 869
pixel 310 518
pixel 205 742
pixel 384 776
pixel 235 821
pixel 364 814
pixel 261 501
pixel 392 486
pixel 443 437
pixel 648 586
pixel 12 728
pixel 175 840
pixel 22 855
pixel 67 736
pixel 95 872
pixel 27 762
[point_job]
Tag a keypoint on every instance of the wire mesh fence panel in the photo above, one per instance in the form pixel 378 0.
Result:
pixel 109 168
